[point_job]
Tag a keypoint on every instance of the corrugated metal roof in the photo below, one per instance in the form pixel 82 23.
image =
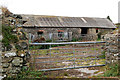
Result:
pixel 60 21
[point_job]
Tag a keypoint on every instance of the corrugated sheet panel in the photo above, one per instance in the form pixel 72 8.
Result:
pixel 59 21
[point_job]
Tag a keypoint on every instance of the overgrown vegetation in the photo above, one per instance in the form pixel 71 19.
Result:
pixel 112 71
pixel 8 37
pixel 45 46
pixel 75 39
pixel 99 36
pixel 103 55
pixel 27 74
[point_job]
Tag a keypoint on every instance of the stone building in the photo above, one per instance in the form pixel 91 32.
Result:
pixel 65 28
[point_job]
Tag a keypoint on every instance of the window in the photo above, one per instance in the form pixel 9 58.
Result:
pixel 60 34
pixel 40 32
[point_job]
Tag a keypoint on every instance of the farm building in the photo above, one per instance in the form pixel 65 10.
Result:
pixel 64 28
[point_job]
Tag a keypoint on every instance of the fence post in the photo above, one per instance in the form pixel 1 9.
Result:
pixel 74 55
pixel 50 54
pixel 95 53
pixel 34 60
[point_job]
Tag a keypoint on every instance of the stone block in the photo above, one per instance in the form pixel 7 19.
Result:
pixel 5 65
pixel 17 61
pixel 4 70
pixel 7 60
pixel 10 54
pixel 114 50
pixel 14 70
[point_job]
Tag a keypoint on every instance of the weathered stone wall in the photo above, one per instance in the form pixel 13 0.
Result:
pixel 17 56
pixel 76 32
pixel 112 50
pixel 15 59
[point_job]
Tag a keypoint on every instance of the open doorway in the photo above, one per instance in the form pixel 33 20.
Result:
pixel 84 30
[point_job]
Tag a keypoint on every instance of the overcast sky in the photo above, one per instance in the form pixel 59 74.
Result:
pixel 75 8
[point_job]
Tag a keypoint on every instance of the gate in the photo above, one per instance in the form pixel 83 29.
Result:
pixel 67 55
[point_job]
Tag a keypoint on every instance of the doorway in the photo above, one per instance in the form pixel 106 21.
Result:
pixel 84 30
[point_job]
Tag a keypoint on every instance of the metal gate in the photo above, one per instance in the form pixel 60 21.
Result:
pixel 67 55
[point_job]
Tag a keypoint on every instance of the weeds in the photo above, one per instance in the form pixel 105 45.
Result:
pixel 111 71
pixel 103 55
pixel 27 73
pixel 65 74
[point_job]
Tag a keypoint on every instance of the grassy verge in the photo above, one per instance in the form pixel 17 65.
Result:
pixel 27 74
pixel 111 71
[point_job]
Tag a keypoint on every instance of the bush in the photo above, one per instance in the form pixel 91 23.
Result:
pixel 8 37
pixel 112 71
pixel 75 39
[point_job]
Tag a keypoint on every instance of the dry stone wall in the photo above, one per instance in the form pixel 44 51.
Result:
pixel 112 50
pixel 16 58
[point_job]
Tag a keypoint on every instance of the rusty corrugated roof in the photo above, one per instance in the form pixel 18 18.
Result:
pixel 60 21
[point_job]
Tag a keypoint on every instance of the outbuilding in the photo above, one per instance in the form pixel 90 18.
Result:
pixel 65 28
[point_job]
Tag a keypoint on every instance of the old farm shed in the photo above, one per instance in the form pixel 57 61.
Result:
pixel 59 28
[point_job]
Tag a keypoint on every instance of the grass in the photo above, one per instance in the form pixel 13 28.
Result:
pixel 111 71
pixel 94 49
pixel 98 39
pixel 103 55
pixel 27 73
pixel 65 74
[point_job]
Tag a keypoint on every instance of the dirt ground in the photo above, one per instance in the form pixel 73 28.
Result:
pixel 77 73
pixel 68 56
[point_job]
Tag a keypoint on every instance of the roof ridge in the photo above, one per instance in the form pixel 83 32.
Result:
pixel 57 16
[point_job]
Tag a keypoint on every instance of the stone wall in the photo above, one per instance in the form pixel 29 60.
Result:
pixel 17 55
pixel 112 50
pixel 15 59
pixel 75 32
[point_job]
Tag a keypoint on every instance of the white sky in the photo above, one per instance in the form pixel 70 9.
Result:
pixel 77 8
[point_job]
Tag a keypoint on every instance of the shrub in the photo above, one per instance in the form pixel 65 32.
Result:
pixel 75 39
pixel 8 37
pixel 111 71
pixel 99 36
